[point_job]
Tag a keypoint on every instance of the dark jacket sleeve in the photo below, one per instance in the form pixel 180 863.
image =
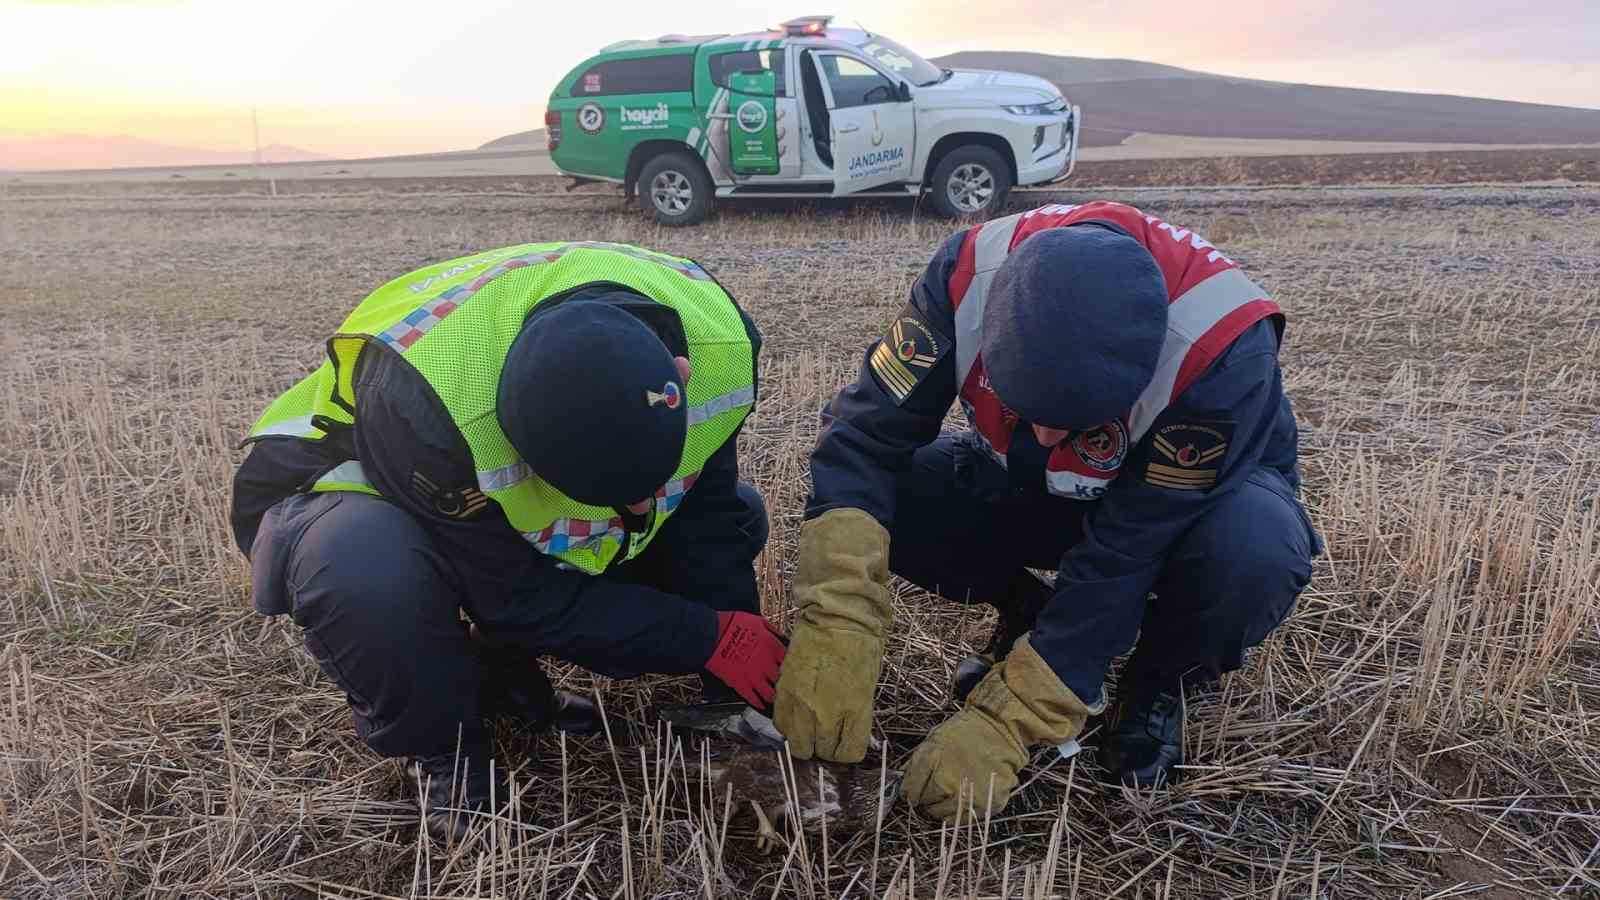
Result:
pixel 1104 581
pixel 275 468
pixel 518 596
pixel 868 434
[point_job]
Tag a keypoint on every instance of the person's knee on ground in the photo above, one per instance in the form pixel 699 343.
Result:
pixel 381 617
pixel 1228 583
pixel 1231 580
pixel 754 523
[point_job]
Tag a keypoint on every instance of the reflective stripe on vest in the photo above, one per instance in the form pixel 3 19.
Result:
pixel 299 426
pixel 346 476
pixel 1203 319
pixel 439 320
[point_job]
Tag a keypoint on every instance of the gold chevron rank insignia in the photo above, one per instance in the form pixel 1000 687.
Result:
pixel 906 355
pixel 1188 456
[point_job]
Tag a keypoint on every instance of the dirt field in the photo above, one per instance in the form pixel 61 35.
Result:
pixel 1427 724
pixel 1125 157
pixel 1445 167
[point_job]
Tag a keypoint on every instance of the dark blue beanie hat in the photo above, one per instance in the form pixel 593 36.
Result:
pixel 1073 326
pixel 591 399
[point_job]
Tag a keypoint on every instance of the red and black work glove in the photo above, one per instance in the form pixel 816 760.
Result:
pixel 747 656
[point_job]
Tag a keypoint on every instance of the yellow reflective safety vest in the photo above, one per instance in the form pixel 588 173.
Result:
pixel 455 321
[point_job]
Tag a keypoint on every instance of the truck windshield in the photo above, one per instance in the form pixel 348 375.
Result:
pixel 901 61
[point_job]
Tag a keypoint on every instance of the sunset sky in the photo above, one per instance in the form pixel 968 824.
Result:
pixel 370 77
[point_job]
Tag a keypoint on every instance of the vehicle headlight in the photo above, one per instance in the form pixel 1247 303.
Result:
pixel 1059 104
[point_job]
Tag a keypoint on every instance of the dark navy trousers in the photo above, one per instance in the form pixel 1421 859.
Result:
pixel 380 609
pixel 962 532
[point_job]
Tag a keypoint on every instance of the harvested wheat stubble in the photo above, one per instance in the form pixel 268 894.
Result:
pixel 1428 724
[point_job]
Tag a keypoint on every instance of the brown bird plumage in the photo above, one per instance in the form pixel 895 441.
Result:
pixel 847 797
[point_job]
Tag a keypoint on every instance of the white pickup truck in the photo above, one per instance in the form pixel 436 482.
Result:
pixel 805 110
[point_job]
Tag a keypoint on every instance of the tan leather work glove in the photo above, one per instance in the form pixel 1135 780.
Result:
pixel 1019 704
pixel 824 696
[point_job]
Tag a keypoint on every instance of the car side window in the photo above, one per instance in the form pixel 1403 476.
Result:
pixel 854 83
pixel 643 75
pixel 738 62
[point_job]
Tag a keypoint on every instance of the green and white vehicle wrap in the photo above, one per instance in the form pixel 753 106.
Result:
pixel 804 111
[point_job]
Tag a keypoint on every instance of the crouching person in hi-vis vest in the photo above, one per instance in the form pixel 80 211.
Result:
pixel 1128 431
pixel 544 437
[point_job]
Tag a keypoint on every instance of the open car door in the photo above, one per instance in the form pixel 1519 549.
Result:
pixel 872 122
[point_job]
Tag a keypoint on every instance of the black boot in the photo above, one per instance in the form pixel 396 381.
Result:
pixel 516 688
pixel 525 698
pixel 454 790
pixel 1144 745
pixel 1017 613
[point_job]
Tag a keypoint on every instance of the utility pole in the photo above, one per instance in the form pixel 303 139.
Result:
pixel 255 128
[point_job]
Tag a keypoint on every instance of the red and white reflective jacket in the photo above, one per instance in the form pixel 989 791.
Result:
pixel 1211 301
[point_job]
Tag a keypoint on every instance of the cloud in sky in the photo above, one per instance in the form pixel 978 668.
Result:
pixel 368 76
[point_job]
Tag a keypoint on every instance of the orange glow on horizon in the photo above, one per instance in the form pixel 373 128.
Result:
pixel 376 77
pixel 44 110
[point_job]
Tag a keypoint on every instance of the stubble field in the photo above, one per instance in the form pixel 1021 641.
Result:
pixel 1426 725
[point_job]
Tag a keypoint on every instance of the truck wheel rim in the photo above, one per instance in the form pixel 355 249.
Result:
pixel 971 187
pixel 671 193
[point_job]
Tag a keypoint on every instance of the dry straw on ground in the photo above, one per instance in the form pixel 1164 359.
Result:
pixel 1428 725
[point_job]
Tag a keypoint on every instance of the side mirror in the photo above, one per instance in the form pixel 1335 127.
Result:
pixel 904 93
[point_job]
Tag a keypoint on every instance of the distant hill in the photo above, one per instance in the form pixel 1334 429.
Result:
pixel 1123 96
pixel 1066 69
pixel 524 139
pixel 78 151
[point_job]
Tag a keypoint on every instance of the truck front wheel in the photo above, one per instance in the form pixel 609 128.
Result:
pixel 675 189
pixel 970 182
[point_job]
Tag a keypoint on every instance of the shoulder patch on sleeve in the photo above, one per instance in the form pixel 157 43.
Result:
pixel 906 355
pixel 1187 456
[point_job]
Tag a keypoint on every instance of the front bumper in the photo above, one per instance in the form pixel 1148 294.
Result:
pixel 1058 164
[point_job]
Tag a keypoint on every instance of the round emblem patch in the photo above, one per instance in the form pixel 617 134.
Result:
pixel 669 396
pixel 1103 447
pixel 591 118
pixel 752 116
pixel 906 350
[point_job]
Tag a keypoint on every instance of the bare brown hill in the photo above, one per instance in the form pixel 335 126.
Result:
pixel 1066 69
pixel 520 140
pixel 1121 96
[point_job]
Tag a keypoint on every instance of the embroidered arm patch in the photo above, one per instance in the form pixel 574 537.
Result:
pixel 458 503
pixel 1188 456
pixel 906 355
